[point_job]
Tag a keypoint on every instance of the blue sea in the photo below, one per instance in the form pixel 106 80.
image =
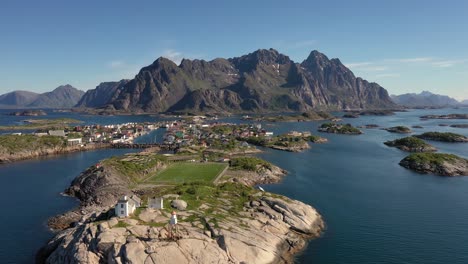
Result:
pixel 375 211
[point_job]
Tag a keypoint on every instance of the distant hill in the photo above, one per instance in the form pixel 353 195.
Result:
pixel 262 81
pixel 65 96
pixel 464 102
pixel 103 94
pixel 17 98
pixel 424 99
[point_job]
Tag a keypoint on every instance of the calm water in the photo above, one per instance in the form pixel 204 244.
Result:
pixel 30 192
pixel 375 210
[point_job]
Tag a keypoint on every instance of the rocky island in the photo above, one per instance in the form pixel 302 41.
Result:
pixel 33 124
pixel 29 113
pixel 436 163
pixel 21 147
pixel 306 116
pixel 411 144
pixel 459 125
pixel 381 112
pixel 399 129
pixel 443 136
pixel 222 219
pixel 449 116
pixel 347 129
pixel 293 141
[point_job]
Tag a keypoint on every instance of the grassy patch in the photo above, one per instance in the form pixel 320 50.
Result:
pixel 339 128
pixel 135 166
pixel 58 123
pixel 121 224
pixel 249 163
pixel 18 143
pixel 411 142
pixel 443 136
pixel 184 172
pixel 431 158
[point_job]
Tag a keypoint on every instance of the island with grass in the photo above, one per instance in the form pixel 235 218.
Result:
pixel 449 116
pixel 335 128
pixel 50 124
pixel 443 136
pixel 303 117
pixel 21 147
pixel 436 163
pixel 411 144
pixel 292 141
pixel 222 217
pixel 399 129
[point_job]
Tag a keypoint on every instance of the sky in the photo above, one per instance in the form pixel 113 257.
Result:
pixel 405 46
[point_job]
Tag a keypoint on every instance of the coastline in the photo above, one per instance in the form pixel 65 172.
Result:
pixel 45 152
pixel 288 224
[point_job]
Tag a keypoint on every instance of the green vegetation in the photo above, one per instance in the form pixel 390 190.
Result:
pixel 411 142
pixel 443 136
pixel 230 196
pixel 135 166
pixel 207 203
pixel 339 128
pixel 431 158
pixel 399 129
pixel 182 172
pixel 281 140
pixel 249 163
pixel 74 135
pixel 121 224
pixel 18 143
pixel 306 116
pixel 32 124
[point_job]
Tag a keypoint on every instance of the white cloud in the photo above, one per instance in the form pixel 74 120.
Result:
pixel 414 60
pixel 447 63
pixel 358 64
pixel 116 64
pixel 173 55
pixel 177 56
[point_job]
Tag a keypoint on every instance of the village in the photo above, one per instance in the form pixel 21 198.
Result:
pixel 89 134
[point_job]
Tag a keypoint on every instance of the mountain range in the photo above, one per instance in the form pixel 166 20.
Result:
pixel 262 81
pixel 424 99
pixel 65 96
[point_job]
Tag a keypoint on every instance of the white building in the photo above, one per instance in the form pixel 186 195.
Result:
pixel 127 205
pixel 74 141
pixel 156 203
pixel 59 133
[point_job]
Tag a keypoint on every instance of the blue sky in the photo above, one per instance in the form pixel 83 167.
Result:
pixel 405 46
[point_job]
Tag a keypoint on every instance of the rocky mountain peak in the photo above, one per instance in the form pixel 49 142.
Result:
pixel 259 57
pixel 263 80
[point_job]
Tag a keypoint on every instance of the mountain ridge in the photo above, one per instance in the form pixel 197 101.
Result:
pixel 262 81
pixel 424 99
pixel 64 96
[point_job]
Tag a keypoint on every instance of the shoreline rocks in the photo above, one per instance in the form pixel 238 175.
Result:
pixel 346 129
pixel 45 152
pixel 449 116
pixel 411 144
pixel 399 129
pixel 443 137
pixel 436 163
pixel 268 228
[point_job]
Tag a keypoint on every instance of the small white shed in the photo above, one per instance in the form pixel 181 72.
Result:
pixel 127 205
pixel 156 203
